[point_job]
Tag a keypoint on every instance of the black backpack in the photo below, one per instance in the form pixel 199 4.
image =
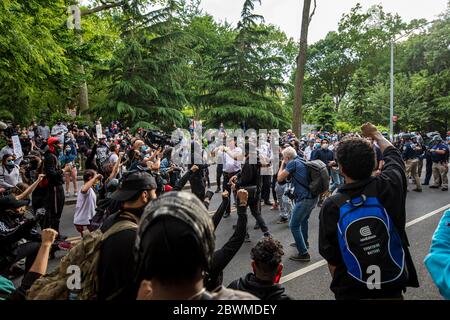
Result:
pixel 318 177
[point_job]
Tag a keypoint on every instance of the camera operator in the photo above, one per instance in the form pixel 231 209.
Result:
pixel 32 167
pixel 169 168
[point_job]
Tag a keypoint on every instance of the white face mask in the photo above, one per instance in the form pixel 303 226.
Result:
pixel 325 146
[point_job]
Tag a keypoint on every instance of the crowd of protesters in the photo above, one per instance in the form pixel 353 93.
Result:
pixel 131 194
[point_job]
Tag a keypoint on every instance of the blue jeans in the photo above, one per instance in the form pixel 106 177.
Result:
pixel 336 179
pixel 299 222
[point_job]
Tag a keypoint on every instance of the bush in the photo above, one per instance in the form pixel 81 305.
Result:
pixel 344 127
pixel 5 115
pixel 81 120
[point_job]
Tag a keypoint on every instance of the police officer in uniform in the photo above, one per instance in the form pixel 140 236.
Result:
pixel 410 152
pixel 439 156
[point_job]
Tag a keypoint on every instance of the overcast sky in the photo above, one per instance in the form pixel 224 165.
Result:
pixel 286 13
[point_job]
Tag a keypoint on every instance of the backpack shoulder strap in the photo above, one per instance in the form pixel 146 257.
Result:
pixel 340 199
pixel 293 177
pixel 120 226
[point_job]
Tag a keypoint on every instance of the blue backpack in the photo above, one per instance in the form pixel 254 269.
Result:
pixel 368 239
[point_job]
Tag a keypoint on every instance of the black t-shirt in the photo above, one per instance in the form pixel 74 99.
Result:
pixel 116 264
pixel 391 187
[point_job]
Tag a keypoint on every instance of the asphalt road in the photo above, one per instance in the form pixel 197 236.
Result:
pixel 310 281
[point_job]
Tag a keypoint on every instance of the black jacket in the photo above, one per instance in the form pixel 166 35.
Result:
pixel 12 229
pixel 116 264
pixel 261 289
pixel 250 175
pixel 52 170
pixel 224 255
pixel 391 188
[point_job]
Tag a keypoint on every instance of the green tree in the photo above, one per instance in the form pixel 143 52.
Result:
pixel 146 89
pixel 248 79
pixel 324 113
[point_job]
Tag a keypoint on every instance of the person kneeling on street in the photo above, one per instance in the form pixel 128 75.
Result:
pixel 174 251
pixel 267 270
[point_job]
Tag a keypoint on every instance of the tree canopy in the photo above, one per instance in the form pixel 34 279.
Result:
pixel 156 63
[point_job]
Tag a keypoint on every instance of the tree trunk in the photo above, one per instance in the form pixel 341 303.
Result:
pixel 83 98
pixel 300 74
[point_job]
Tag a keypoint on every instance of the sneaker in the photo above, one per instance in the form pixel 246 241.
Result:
pixel 417 190
pixel 444 189
pixel 247 238
pixel 434 187
pixel 282 221
pixel 217 191
pixel 425 184
pixel 67 194
pixel 64 245
pixel 267 234
pixel 301 257
pixel 268 203
pixel 226 215
pixel 256 227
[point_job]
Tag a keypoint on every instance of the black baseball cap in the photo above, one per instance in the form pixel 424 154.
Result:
pixel 10 202
pixel 132 184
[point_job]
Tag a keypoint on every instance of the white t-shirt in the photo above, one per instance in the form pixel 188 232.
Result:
pixel 113 158
pixel 229 164
pixel 85 208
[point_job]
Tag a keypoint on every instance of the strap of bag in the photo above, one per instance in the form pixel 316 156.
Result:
pixel 121 226
pixel 293 176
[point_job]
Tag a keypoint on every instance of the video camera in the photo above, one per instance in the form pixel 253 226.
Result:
pixel 155 137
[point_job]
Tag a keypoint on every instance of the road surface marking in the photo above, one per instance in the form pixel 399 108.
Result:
pixel 427 215
pixel 323 262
